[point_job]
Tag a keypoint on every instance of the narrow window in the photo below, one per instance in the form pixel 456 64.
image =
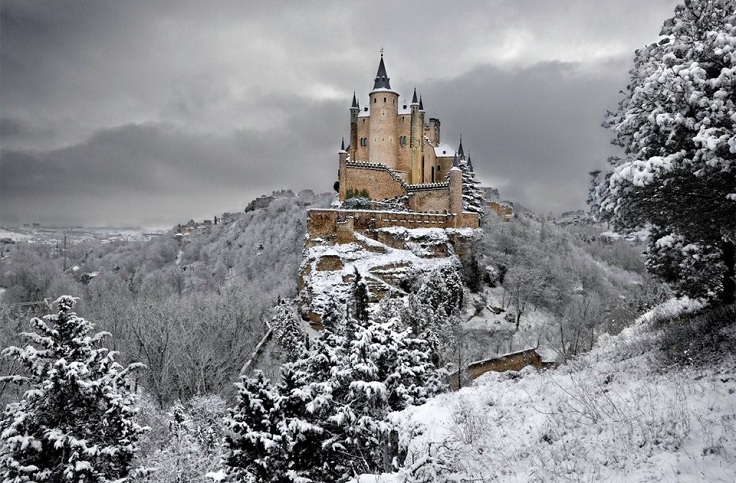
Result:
pixel 432 174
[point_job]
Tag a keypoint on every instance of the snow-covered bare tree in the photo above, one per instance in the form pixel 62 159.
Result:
pixel 75 422
pixel 678 175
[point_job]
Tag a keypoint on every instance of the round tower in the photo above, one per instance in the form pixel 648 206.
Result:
pixel 416 142
pixel 384 118
pixel 456 191
pixel 354 109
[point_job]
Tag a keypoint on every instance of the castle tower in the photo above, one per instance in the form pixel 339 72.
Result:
pixel 384 109
pixel 456 190
pixel 354 110
pixel 342 170
pixel 416 142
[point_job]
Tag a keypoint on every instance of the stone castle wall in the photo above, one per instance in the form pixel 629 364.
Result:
pixel 323 223
pixel 376 179
pixel 435 199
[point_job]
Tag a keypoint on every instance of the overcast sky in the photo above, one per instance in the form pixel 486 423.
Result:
pixel 155 112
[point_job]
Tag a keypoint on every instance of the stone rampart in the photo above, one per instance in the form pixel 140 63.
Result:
pixel 380 182
pixel 322 223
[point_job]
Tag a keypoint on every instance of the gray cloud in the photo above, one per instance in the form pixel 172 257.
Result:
pixel 156 112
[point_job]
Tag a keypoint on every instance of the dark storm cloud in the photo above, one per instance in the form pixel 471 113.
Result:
pixel 533 132
pixel 130 173
pixel 157 112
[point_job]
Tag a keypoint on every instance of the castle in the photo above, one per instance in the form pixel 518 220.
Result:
pixel 394 154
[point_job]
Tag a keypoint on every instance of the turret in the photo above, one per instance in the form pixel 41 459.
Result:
pixel 416 143
pixel 434 130
pixel 456 191
pixel 384 109
pixel 354 110
pixel 342 170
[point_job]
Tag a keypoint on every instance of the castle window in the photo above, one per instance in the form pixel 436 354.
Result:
pixel 384 99
pixel 402 140
pixel 375 100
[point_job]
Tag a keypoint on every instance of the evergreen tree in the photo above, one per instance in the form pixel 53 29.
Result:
pixel 473 200
pixel 359 294
pixel 75 423
pixel 287 329
pixel 678 175
pixel 256 451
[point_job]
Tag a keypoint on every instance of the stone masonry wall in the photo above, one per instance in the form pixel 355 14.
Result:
pixel 379 182
pixel 436 200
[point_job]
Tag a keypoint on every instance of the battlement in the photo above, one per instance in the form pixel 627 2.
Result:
pixel 325 223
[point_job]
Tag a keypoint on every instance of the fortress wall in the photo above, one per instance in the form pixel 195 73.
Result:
pixel 324 223
pixel 437 200
pixel 379 182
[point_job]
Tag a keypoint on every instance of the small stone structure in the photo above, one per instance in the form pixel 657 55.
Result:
pixel 514 361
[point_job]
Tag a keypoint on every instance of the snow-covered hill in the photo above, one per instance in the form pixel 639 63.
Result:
pixel 622 412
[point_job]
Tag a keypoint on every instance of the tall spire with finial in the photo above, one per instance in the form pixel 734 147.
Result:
pixel 342 145
pixel 355 102
pixel 414 97
pixel 460 151
pixel 421 104
pixel 382 79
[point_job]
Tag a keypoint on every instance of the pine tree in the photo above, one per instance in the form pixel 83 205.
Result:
pixel 473 200
pixel 75 423
pixel 256 451
pixel 287 329
pixel 359 294
pixel 678 175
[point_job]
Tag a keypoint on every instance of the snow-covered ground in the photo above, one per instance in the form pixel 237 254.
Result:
pixel 14 235
pixel 615 414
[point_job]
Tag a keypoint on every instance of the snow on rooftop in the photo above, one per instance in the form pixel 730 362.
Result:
pixel 444 150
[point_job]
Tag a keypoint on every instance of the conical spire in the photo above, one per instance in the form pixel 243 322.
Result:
pixel 454 162
pixel 460 151
pixel 470 163
pixel 382 80
pixel 355 102
pixel 414 97
pixel 421 104
pixel 342 145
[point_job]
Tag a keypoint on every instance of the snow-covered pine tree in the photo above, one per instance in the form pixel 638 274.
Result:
pixel 255 451
pixel 359 298
pixel 678 175
pixel 75 423
pixel 473 200
pixel 333 317
pixel 287 329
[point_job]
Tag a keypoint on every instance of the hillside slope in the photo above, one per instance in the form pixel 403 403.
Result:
pixel 622 412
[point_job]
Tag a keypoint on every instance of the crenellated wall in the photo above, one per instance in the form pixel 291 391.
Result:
pixel 433 198
pixel 380 182
pixel 323 223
